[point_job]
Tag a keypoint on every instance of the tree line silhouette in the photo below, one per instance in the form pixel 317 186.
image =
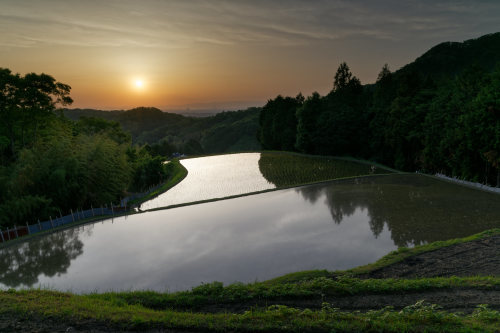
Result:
pixel 440 113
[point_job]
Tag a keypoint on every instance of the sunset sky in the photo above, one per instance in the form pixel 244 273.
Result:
pixel 223 54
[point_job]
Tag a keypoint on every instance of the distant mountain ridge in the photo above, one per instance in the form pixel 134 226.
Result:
pixel 220 133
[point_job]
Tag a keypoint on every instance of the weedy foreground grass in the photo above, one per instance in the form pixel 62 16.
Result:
pixel 74 309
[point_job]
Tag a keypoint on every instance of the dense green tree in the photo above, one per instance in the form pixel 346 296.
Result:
pixel 345 120
pixel 487 106
pixel 94 126
pixel 307 116
pixel 278 122
pixel 383 94
pixel 331 125
pixel 163 148
pixel 458 130
pixel 9 99
pixel 343 77
pixel 192 147
pixel 27 104
pixel 106 174
pixel 148 170
pixel 403 121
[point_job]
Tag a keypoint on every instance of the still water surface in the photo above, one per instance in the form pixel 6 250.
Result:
pixel 338 225
pixel 214 177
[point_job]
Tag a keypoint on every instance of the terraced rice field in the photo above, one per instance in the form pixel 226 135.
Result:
pixel 221 176
pixel 285 169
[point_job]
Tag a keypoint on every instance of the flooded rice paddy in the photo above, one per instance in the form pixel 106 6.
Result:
pixel 214 177
pixel 335 225
pixel 222 176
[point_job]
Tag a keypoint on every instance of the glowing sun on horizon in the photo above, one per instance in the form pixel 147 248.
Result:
pixel 138 84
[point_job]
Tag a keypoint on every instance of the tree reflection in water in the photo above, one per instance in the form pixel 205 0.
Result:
pixel 416 209
pixel 22 264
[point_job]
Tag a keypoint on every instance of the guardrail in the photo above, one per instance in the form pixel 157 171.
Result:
pixel 78 215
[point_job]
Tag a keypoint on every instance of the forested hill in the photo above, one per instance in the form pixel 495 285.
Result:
pixel 451 58
pixel 441 113
pixel 169 132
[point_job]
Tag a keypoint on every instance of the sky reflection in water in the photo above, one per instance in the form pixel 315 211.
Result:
pixel 214 177
pixel 333 226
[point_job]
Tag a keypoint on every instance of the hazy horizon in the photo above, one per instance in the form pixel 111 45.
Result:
pixel 223 55
pixel 187 110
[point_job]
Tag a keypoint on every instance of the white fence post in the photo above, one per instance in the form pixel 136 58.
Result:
pixel 27 227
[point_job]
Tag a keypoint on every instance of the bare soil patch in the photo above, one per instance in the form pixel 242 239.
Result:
pixel 479 257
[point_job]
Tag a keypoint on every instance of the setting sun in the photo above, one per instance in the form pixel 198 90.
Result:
pixel 139 83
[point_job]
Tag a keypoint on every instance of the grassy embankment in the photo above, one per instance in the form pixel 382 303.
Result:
pixel 259 306
pixel 179 172
pixel 89 311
